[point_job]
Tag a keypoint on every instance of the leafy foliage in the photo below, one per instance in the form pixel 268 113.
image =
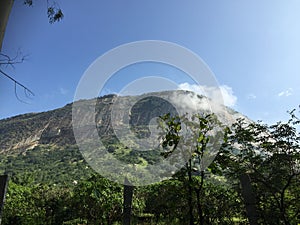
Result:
pixel 269 154
pixel 54 12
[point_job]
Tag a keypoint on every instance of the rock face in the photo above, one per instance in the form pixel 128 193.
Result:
pixel 24 132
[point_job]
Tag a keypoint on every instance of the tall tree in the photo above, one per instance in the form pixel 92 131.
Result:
pixel 198 136
pixel 270 155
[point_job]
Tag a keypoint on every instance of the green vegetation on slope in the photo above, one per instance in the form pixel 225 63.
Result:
pixel 51 183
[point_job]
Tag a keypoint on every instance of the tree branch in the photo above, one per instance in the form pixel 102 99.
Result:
pixel 27 91
pixel 8 61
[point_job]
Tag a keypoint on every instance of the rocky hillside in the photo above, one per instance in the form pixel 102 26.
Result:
pixel 24 132
pixel 44 143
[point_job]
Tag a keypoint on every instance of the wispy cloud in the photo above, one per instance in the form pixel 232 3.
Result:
pixel 251 96
pixel 227 93
pixel 286 93
pixel 63 91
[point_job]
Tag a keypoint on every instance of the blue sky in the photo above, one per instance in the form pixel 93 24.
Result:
pixel 253 48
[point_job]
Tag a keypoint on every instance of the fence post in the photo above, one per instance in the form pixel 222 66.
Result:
pixel 3 187
pixel 127 196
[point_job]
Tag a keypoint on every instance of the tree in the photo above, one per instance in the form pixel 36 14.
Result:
pixel 20 206
pixel 198 136
pixel 167 202
pixel 98 201
pixel 270 156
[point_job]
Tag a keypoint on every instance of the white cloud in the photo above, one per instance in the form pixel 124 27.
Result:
pixel 251 96
pixel 285 93
pixel 212 92
pixel 228 96
pixel 63 91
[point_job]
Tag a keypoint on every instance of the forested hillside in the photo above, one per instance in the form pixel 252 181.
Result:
pixel 254 176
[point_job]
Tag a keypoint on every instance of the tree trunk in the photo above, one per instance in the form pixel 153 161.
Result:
pixel 249 199
pixel 190 192
pixel 5 7
pixel 198 190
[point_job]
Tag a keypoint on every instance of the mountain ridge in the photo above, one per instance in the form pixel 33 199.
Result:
pixel 24 132
pixel 43 144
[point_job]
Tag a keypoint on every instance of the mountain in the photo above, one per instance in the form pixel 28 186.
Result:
pixel 43 144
